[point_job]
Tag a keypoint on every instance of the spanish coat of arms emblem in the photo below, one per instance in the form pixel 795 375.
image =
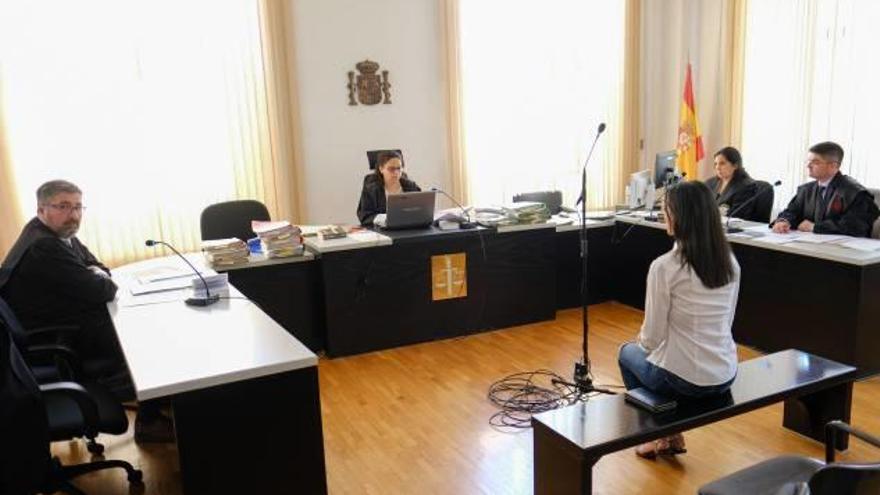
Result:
pixel 369 87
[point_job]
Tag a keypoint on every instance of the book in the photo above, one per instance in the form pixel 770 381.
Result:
pixel 650 400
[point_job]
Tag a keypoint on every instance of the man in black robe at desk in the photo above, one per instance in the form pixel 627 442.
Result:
pixel 833 203
pixel 50 278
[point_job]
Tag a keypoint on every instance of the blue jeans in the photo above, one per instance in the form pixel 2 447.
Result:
pixel 638 372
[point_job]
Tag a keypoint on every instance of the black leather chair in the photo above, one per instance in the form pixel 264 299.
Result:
pixel 373 157
pixel 802 475
pixel 232 219
pixel 32 415
pixel 764 203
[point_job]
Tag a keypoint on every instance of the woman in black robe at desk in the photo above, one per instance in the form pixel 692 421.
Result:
pixel 389 178
pixel 732 185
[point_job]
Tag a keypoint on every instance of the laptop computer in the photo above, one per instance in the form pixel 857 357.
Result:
pixel 409 210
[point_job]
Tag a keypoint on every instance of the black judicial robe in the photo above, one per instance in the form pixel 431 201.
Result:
pixel 848 208
pixel 373 197
pixel 741 188
pixel 48 282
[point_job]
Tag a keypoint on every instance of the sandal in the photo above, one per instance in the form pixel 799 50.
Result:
pixel 668 446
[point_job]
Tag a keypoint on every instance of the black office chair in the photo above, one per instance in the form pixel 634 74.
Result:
pixel 373 157
pixel 763 204
pixel 232 219
pixel 372 161
pixel 32 415
pixel 51 360
pixel 803 475
pixel 552 199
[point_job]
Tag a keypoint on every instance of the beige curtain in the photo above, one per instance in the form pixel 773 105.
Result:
pixel 455 137
pixel 177 118
pixel 286 169
pixel 710 35
pixel 735 23
pixel 631 110
pixel 11 220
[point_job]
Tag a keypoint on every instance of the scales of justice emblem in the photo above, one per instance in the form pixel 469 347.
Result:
pixel 369 87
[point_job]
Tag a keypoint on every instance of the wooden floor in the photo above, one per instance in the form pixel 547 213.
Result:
pixel 414 420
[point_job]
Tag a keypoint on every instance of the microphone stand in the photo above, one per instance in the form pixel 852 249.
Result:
pixel 583 377
pixel 463 225
pixel 736 230
pixel 192 301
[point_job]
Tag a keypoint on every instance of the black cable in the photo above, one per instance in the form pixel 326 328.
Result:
pixel 521 395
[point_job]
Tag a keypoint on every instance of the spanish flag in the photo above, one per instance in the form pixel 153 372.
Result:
pixel 690 141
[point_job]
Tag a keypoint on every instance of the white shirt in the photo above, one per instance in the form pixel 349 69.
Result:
pixel 687 327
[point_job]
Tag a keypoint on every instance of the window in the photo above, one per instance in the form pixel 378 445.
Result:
pixel 810 76
pixel 155 109
pixel 537 79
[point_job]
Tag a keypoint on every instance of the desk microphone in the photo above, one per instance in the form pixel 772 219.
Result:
pixel 192 301
pixel 734 230
pixel 463 225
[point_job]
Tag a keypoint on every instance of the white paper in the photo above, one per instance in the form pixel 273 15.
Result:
pixel 138 289
pixel 774 238
pixel 861 244
pixel 819 238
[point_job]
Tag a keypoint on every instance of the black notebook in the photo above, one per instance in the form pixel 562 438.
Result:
pixel 651 401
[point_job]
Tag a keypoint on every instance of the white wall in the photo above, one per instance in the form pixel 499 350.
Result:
pixel 330 37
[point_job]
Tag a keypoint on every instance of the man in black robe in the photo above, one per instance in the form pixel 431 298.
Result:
pixel 50 278
pixel 831 204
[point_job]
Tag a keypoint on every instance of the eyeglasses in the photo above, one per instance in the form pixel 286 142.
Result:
pixel 67 207
pixel 394 169
pixel 817 161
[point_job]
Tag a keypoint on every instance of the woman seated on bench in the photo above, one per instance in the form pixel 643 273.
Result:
pixel 685 348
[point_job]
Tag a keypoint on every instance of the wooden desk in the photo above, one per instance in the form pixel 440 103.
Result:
pixel 380 296
pixel 243 391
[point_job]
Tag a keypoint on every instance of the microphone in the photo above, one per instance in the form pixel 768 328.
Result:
pixel 468 224
pixel 734 230
pixel 192 301
pixel 584 172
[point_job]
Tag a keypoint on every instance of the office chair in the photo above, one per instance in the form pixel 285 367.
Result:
pixel 875 231
pixel 232 219
pixel 552 199
pixel 764 204
pixel 51 360
pixel 800 475
pixel 373 157
pixel 32 415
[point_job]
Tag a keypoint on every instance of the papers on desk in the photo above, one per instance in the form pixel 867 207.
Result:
pixel 861 244
pixel 137 288
pixel 812 238
pixel 163 272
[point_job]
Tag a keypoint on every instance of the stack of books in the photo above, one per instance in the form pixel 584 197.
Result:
pixel 225 252
pixel 279 239
pixel 530 212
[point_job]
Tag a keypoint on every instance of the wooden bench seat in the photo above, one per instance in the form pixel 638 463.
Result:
pixel 568 441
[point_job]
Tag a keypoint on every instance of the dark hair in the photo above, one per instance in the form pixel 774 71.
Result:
pixel 49 189
pixel 385 157
pixel 696 225
pixel 828 150
pixel 733 156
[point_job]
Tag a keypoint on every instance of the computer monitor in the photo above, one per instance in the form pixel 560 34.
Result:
pixel 640 194
pixel 664 168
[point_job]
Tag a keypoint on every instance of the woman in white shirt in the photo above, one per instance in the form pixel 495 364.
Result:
pixel 685 348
